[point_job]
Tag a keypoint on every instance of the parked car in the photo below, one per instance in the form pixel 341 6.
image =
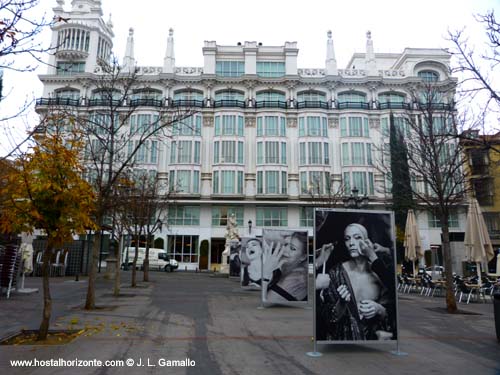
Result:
pixel 158 259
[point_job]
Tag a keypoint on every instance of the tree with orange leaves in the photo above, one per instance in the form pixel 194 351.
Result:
pixel 43 189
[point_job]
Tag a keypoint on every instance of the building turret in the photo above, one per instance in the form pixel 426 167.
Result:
pixel 82 39
pixel 169 60
pixel 331 62
pixel 128 59
pixel 370 62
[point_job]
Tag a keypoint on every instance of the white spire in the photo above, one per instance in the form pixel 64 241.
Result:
pixel 331 62
pixel 110 22
pixel 370 62
pixel 169 61
pixel 129 60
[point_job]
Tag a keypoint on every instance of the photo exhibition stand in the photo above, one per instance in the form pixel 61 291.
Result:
pixel 315 353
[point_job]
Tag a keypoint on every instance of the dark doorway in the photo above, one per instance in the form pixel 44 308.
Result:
pixel 216 250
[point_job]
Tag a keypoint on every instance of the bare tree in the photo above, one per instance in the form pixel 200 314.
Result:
pixel 478 68
pixel 435 161
pixel 19 34
pixel 118 140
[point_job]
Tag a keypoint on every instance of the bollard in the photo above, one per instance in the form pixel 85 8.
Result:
pixel 496 312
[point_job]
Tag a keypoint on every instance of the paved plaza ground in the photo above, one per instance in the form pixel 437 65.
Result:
pixel 214 323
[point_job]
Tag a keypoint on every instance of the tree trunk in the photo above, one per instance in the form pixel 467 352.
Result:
pixel 145 264
pixel 116 288
pixel 94 259
pixel 134 265
pixel 47 300
pixel 451 302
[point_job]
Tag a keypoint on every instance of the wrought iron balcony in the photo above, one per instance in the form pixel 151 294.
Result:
pixel 58 101
pixel 270 104
pixel 394 105
pixel 229 103
pixel 187 103
pixel 312 104
pixel 147 102
pixel 103 102
pixel 353 105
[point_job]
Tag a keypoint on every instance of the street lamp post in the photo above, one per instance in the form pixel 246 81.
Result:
pixel 355 201
pixel 249 226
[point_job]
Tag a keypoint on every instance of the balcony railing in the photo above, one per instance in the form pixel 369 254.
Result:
pixel 187 103
pixel 58 101
pixel 270 104
pixel 435 106
pixel 147 102
pixel 103 102
pixel 229 103
pixel 312 104
pixel 353 105
pixel 394 105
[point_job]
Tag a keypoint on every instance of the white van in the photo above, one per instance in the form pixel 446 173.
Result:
pixel 158 259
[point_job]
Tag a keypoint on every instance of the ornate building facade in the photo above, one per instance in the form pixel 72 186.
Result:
pixel 268 140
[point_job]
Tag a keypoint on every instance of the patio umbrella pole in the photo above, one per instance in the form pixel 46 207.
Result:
pixel 478 270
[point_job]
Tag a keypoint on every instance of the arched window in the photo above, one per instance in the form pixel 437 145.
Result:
pixel 146 94
pixel 68 93
pixel 266 99
pixel 311 99
pixel 188 95
pixel 352 99
pixel 229 95
pixel 428 76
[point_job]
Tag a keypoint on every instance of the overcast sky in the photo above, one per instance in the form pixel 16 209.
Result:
pixel 395 25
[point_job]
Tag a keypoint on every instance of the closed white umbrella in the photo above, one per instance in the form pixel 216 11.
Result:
pixel 412 242
pixel 477 241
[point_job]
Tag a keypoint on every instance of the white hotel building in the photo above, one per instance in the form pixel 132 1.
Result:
pixel 266 133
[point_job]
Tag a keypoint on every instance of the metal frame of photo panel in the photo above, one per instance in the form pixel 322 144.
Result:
pixel 393 240
pixel 267 303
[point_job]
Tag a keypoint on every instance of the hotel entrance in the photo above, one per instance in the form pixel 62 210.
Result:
pixel 216 250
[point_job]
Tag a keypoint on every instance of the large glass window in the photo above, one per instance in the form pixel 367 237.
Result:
pixel 428 76
pixel 184 215
pixel 183 248
pixel 68 68
pixel 228 152
pixel 306 217
pixel 271 126
pixel 220 214
pixel 272 182
pixel 270 69
pixel 270 96
pixel 313 126
pixel 272 217
pixel 185 152
pixel 351 97
pixel 227 182
pixel 271 152
pixel 229 95
pixel 315 182
pixel 229 125
pixel 311 96
pixel 230 68
pixel 435 222
pixel 184 181
pixel 363 181
pixel 188 126
pixel 314 153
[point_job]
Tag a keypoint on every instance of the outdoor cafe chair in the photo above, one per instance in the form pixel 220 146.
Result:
pixel 38 264
pixel 60 267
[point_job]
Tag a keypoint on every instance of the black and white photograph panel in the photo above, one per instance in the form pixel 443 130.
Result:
pixel 355 276
pixel 285 266
pixel 251 262
pixel 234 258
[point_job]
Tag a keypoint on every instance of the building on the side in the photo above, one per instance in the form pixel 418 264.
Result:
pixel 483 171
pixel 268 139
